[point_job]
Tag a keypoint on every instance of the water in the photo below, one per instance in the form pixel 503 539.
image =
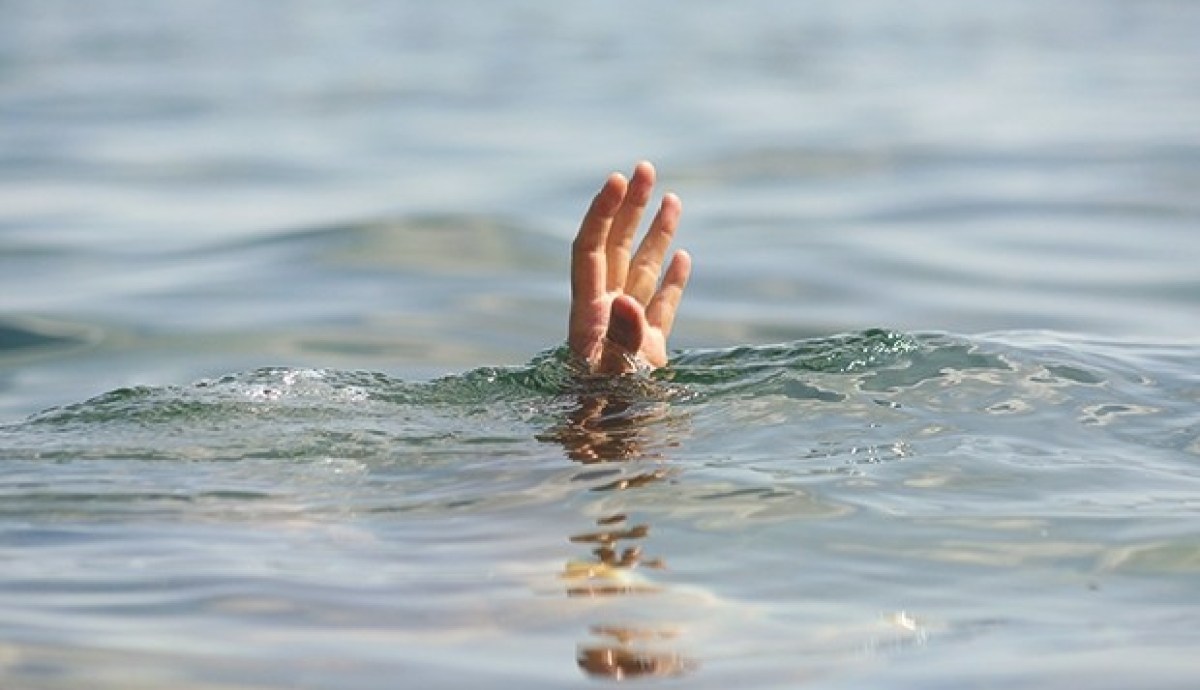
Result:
pixel 281 404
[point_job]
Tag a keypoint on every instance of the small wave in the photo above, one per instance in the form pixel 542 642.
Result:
pixel 24 336
pixel 884 379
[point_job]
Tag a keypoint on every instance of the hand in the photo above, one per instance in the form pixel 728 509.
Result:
pixel 619 311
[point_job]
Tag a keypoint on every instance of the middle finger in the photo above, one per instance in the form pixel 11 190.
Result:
pixel 620 238
pixel 647 263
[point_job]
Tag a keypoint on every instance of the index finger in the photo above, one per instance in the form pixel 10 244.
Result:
pixel 587 252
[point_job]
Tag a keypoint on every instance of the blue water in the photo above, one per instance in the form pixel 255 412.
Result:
pixel 283 402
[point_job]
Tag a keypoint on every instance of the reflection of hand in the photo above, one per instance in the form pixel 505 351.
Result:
pixel 603 430
pixel 619 311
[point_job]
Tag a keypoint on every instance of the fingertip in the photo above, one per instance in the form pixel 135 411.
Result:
pixel 641 184
pixel 681 267
pixel 615 180
pixel 669 211
pixel 611 194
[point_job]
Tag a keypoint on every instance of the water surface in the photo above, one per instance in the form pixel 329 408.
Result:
pixel 871 506
pixel 274 281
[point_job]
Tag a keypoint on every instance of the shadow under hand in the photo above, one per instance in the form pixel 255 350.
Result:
pixel 620 421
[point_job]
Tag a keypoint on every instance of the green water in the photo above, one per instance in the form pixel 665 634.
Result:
pixel 872 508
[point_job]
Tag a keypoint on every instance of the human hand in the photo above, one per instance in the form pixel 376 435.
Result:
pixel 620 313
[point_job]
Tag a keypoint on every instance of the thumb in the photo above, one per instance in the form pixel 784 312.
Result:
pixel 623 339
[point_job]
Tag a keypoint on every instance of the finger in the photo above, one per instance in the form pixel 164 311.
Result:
pixel 587 251
pixel 624 226
pixel 661 311
pixel 623 339
pixel 647 263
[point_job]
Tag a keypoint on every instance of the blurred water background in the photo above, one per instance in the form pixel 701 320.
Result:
pixel 274 277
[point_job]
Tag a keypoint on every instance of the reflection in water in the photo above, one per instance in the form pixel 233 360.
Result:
pixel 615 426
pixel 619 657
pixel 605 428
pixel 610 568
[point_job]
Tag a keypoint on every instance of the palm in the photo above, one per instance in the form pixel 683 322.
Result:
pixel 618 307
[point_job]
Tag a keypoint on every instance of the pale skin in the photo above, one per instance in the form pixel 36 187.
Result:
pixel 623 304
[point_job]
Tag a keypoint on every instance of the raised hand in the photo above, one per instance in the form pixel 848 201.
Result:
pixel 620 313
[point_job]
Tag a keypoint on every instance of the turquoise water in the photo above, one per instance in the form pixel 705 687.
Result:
pixel 282 404
pixel 870 509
